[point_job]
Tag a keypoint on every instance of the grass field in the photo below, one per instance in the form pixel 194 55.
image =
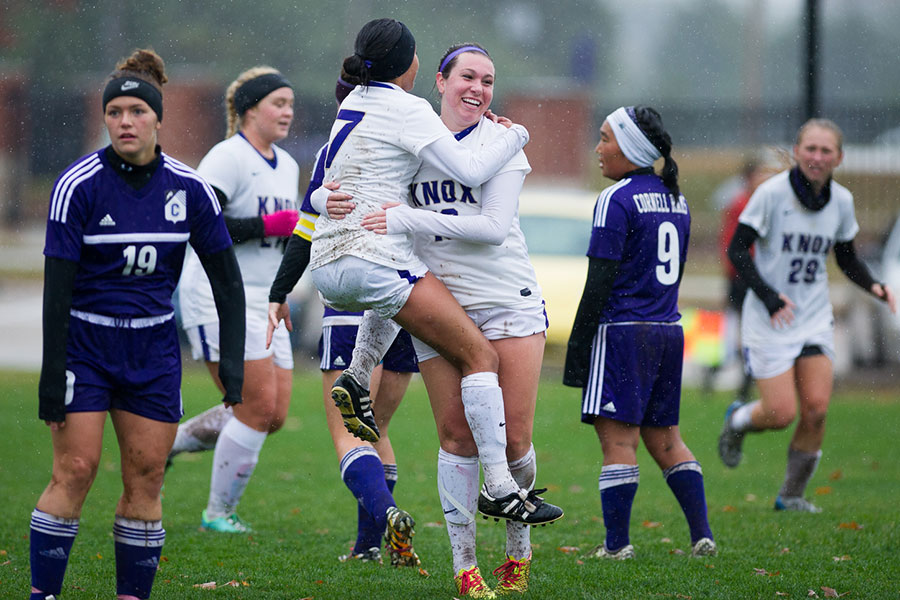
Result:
pixel 304 517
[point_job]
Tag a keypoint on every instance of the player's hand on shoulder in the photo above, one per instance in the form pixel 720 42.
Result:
pixel 505 121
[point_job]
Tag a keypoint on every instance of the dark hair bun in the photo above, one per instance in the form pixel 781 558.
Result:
pixel 146 62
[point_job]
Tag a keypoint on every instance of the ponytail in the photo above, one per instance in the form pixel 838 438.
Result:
pixel 650 123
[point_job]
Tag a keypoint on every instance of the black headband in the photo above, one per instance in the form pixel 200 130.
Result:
pixel 396 61
pixel 252 91
pixel 132 86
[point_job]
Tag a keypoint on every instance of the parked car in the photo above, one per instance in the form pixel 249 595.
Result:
pixel 556 222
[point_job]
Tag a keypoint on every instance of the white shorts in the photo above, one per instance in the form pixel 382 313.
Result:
pixel 497 323
pixel 353 284
pixel 769 360
pixel 204 341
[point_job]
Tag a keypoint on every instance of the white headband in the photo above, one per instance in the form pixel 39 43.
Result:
pixel 632 141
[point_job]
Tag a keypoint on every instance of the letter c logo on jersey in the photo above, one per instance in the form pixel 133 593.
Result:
pixel 176 205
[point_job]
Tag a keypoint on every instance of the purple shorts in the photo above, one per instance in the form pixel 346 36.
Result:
pixel 135 370
pixel 635 374
pixel 336 350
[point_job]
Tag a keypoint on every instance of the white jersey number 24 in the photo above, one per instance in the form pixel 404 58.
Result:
pixel 668 253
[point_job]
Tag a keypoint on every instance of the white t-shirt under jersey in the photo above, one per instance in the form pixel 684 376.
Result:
pixel 254 188
pixel 479 275
pixel 374 151
pixel 790 255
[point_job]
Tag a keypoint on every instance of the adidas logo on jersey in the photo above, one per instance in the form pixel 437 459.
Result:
pixel 339 362
pixel 107 221
pixel 129 85
pixel 608 407
pixel 151 562
pixel 58 553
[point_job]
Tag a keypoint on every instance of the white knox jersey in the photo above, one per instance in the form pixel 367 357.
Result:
pixel 373 151
pixel 254 187
pixel 478 275
pixel 790 255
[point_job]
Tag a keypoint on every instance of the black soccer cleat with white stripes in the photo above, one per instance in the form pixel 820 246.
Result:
pixel 522 506
pixel 353 401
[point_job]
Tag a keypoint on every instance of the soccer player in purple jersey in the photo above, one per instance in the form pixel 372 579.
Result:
pixel 120 220
pixel 626 347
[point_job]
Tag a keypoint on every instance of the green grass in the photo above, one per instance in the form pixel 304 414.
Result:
pixel 304 516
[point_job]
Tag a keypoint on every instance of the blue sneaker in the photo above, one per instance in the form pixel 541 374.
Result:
pixel 230 524
pixel 731 441
pixel 795 503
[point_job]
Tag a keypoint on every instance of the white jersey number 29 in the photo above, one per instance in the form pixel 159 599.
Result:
pixel 139 261
pixel 668 252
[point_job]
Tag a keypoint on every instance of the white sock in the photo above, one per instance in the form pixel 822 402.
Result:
pixel 518 535
pixel 483 403
pixel 236 455
pixel 200 432
pixel 741 420
pixel 458 489
pixel 373 338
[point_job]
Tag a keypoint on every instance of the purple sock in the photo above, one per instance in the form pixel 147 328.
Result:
pixel 138 547
pixel 618 485
pixel 51 542
pixel 363 474
pixel 367 533
pixel 686 481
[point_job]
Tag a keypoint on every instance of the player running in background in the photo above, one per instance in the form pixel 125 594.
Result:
pixel 626 348
pixel 120 220
pixel 369 470
pixel 793 220
pixel 257 184
pixel 470 239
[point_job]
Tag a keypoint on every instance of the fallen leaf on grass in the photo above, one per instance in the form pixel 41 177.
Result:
pixel 750 497
pixel 823 490
pixel 579 562
pixel 568 549
pixel 209 585
pixel 575 489
pixel 840 558
pixel 163 559
pixel 832 593
pixel 2 552
pixel 836 475
pixel 99 556
pixel 651 524
pixel 728 508
pixel 757 571
pixel 782 594
pixel 233 583
pixel 851 525
pixel 812 594
pixel 423 572
pixel 666 540
pixel 3 564
pixel 295 511
pixel 676 551
pixel 434 524
pixel 785 550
